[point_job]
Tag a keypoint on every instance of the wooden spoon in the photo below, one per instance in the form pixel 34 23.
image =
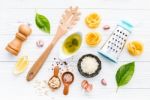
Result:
pixel 67 79
pixel 56 72
pixel 69 19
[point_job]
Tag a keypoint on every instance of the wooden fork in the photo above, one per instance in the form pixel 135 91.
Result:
pixel 69 19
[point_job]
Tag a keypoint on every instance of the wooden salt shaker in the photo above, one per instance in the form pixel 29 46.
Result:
pixel 15 45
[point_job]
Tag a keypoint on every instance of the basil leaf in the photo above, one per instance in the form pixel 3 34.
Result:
pixel 124 74
pixel 42 23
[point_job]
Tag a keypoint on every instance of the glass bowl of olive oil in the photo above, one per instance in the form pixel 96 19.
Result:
pixel 70 45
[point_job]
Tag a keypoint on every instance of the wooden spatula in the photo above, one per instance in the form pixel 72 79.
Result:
pixel 69 19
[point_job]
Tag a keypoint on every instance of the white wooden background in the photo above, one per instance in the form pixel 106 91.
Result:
pixel 16 87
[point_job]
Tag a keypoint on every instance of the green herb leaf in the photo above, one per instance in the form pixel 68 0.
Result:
pixel 42 23
pixel 124 74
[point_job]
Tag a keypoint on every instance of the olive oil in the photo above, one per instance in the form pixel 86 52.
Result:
pixel 72 43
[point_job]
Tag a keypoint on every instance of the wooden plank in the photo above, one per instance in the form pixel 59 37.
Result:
pixel 105 4
pixel 15 11
pixel 111 17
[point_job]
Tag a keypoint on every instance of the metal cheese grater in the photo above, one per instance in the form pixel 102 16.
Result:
pixel 115 44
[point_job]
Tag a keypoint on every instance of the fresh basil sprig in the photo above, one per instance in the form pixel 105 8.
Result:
pixel 42 23
pixel 124 74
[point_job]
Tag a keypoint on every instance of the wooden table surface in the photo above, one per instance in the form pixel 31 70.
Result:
pixel 14 12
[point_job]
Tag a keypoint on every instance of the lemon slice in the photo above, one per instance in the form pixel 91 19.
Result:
pixel 21 65
pixel 135 48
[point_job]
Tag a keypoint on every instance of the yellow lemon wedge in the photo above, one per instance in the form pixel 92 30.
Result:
pixel 93 38
pixel 135 48
pixel 93 20
pixel 21 65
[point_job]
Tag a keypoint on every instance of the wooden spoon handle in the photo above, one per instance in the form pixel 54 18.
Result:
pixel 66 89
pixel 40 61
pixel 38 64
pixel 56 71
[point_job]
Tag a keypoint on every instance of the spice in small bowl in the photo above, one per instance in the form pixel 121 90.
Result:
pixel 54 82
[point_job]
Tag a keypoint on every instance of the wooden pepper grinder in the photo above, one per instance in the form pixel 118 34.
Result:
pixel 15 45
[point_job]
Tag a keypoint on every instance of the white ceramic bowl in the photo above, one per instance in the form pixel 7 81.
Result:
pixel 62 55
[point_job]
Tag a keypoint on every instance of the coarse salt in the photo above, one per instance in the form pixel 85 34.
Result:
pixel 89 65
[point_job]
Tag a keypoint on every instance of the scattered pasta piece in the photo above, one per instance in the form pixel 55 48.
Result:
pixel 93 20
pixel 93 38
pixel 135 48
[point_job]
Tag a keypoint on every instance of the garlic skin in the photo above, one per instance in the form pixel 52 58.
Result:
pixel 40 43
pixel 106 27
pixel 103 82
